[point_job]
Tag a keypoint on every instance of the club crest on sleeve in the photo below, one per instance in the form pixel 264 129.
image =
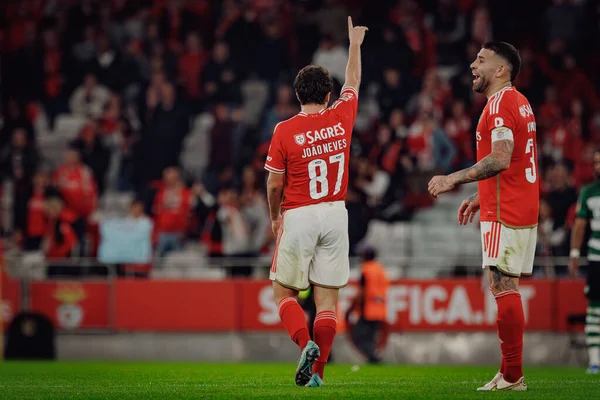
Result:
pixel 300 139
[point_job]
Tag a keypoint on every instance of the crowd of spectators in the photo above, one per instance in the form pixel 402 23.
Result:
pixel 141 72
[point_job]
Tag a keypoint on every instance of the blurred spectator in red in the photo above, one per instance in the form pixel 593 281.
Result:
pixel 191 63
pixel 584 172
pixel 430 144
pixel 36 214
pixel 19 163
pixel 458 129
pixel 89 99
pixel 53 76
pixel 285 107
pixel 75 182
pixel 569 79
pixel 421 40
pixel 60 239
pixel 549 113
pixel 94 153
pixel 562 194
pixel 220 77
pixel 108 122
pixel 386 150
pixel 172 210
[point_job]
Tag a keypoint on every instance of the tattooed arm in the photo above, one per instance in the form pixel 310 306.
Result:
pixel 494 163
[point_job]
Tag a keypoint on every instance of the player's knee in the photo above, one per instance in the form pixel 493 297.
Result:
pixel 501 282
pixel 281 292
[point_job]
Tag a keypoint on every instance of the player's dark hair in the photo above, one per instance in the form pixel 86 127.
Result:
pixel 313 84
pixel 509 53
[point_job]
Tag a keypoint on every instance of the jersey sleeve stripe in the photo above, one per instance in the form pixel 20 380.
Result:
pixel 274 170
pixel 350 88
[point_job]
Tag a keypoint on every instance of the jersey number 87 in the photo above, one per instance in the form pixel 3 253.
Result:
pixel 317 172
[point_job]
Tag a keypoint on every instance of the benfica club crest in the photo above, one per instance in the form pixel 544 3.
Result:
pixel 69 313
pixel 300 139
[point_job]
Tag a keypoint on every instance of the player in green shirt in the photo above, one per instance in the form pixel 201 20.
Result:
pixel 588 209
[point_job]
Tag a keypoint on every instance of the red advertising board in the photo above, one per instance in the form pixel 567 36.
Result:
pixel 442 305
pixel 194 306
pixel 570 300
pixel 175 305
pixel 72 304
pixel 10 302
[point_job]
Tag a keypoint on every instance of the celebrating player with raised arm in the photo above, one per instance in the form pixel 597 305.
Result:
pixel 507 198
pixel 306 188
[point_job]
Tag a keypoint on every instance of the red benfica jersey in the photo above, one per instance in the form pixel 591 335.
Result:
pixel 512 196
pixel 313 151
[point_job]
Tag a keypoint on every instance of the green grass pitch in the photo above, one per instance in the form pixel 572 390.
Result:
pixel 100 380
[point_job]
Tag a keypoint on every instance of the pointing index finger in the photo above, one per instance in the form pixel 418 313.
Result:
pixel 350 26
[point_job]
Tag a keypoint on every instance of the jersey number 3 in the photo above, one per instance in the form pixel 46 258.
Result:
pixel 317 172
pixel 530 173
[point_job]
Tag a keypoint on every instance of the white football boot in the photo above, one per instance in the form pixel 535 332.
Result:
pixel 519 385
pixel 491 384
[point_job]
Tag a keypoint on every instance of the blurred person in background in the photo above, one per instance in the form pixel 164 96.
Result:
pixel 127 242
pixel 221 149
pixel 367 316
pixel 458 129
pixel 89 99
pixel 394 92
pixel 372 181
pixel 77 186
pixel 93 153
pixel 36 213
pixel 220 80
pixel 332 56
pixel 60 239
pixel 19 163
pixel 162 136
pixel 561 197
pixel 588 210
pixel 106 65
pixel 285 107
pixel 552 238
pixel 172 209
pixel 190 66
pixel 255 212
pixel 235 234
pixel 429 144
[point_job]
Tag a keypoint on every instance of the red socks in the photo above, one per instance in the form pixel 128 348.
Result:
pixel 324 332
pixel 294 320
pixel 511 326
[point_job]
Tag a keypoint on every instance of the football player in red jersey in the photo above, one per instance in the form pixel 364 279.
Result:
pixel 306 188
pixel 507 197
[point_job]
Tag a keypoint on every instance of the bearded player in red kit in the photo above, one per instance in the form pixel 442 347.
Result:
pixel 507 198
pixel 306 188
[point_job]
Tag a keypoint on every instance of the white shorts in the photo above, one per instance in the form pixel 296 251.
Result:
pixel 510 250
pixel 313 247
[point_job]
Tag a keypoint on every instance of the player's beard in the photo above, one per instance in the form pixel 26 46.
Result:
pixel 482 86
